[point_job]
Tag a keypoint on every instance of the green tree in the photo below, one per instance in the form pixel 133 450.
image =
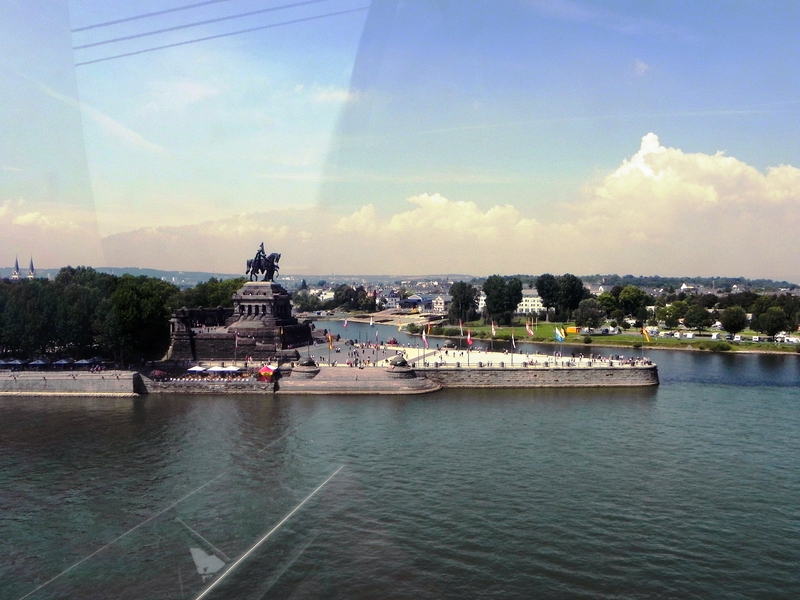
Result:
pixel 608 302
pixel 464 303
pixel 513 298
pixel 733 319
pixel 697 317
pixel 771 322
pixel 631 299
pixel 590 313
pixel 134 321
pixel 571 292
pixel 548 290
pixel 495 289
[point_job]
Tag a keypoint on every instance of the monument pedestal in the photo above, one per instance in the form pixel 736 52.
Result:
pixel 260 329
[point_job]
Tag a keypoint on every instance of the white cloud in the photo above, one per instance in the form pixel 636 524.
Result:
pixel 333 94
pixel 661 211
pixel 640 67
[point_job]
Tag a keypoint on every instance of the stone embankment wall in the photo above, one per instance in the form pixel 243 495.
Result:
pixel 245 386
pixel 49 383
pixel 493 377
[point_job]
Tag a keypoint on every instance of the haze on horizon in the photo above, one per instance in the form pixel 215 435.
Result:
pixel 516 136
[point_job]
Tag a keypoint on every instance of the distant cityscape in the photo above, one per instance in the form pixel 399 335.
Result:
pixel 432 283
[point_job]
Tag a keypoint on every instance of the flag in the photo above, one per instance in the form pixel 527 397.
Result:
pixel 513 343
pixel 376 337
pixel 330 341
pixel 528 329
pixel 644 333
pixel 429 328
pixel 559 336
pixel 399 327
pixel 461 328
pixel 469 337
pixel 370 321
pixel 563 333
pixel 424 339
pixel 345 323
pixel 494 331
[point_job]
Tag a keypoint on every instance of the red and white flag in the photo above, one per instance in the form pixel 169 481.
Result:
pixel 424 339
pixel 528 329
pixel 345 323
pixel 494 331
pixel 469 337
pixel 461 328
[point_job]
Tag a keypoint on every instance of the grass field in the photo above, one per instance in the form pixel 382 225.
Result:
pixel 545 333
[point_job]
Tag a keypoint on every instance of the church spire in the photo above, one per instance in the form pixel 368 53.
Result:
pixel 15 272
pixel 31 270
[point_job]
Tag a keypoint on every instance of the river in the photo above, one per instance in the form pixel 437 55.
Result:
pixel 690 490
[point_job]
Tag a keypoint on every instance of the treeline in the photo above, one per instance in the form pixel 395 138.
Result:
pixel 345 297
pixel 566 298
pixel 83 313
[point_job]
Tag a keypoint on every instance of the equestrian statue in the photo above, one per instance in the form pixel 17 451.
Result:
pixel 262 263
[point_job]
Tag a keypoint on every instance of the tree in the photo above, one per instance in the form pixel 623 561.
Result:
pixel 547 288
pixel 464 303
pixel 590 313
pixel 631 299
pixel 608 302
pixel 708 301
pixel 303 285
pixel 513 298
pixel 495 289
pixel 134 321
pixel 570 292
pixel 697 317
pixel 771 322
pixel 733 319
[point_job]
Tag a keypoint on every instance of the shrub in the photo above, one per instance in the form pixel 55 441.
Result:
pixel 637 345
pixel 452 331
pixel 437 330
pixel 587 339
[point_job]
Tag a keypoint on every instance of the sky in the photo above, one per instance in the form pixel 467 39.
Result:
pixel 403 136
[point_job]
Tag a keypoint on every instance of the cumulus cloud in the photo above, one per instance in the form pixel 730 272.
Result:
pixel 661 211
pixel 55 234
pixel 640 67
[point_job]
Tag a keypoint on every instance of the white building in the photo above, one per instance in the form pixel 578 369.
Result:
pixel 441 304
pixel 531 303
pixel 391 299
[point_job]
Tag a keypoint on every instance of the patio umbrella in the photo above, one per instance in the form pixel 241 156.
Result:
pixel 216 369
pixel 231 369
pixel 267 370
pixel 83 362
pixel 64 362
pixel 39 362
pixel 197 369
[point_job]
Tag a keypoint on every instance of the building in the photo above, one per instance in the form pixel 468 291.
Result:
pixel 531 303
pixel 15 272
pixel 441 304
pixel 31 270
pixel 391 299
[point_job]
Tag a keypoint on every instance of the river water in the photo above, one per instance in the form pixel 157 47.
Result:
pixel 690 490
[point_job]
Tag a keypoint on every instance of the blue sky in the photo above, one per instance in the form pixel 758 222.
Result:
pixel 405 136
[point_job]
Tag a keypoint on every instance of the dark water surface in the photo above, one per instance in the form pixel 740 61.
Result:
pixel 691 490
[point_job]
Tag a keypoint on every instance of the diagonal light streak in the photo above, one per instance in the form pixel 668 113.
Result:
pixel 266 537
pixel 158 514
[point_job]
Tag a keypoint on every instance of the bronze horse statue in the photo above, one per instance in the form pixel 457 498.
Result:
pixel 262 263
